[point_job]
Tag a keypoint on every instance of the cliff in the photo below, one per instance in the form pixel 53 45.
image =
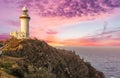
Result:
pixel 32 58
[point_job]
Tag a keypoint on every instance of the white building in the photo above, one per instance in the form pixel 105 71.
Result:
pixel 24 26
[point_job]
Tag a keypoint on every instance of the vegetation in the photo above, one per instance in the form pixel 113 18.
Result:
pixel 32 58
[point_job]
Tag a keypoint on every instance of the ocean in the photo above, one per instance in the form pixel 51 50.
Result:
pixel 105 59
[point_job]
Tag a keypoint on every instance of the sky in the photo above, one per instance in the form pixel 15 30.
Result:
pixel 65 22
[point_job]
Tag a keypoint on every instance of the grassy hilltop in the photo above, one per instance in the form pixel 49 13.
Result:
pixel 32 58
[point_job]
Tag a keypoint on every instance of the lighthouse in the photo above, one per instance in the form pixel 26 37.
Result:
pixel 23 33
pixel 24 21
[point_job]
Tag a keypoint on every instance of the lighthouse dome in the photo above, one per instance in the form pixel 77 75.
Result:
pixel 24 8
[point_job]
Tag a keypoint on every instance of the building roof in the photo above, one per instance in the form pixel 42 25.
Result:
pixel 24 8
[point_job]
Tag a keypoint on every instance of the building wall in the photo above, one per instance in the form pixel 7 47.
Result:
pixel 24 26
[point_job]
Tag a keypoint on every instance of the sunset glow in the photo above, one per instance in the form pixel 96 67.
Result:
pixel 65 22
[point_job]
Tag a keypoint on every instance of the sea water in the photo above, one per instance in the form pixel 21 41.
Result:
pixel 105 59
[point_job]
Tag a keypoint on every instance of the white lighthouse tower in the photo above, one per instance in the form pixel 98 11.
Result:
pixel 24 19
pixel 24 26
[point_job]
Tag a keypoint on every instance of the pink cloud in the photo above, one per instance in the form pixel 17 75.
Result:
pixel 49 15
pixel 51 32
pixel 13 23
pixel 4 36
pixel 105 39
pixel 58 22
pixel 70 8
pixel 84 42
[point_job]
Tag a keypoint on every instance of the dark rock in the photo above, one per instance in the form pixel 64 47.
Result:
pixel 44 61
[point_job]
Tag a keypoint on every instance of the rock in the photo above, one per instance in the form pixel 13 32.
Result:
pixel 43 61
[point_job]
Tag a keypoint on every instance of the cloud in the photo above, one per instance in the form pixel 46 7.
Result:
pixel 108 38
pixel 58 13
pixel 53 40
pixel 70 8
pixel 4 36
pixel 63 12
pixel 12 23
pixel 107 34
pixel 51 32
pixel 48 15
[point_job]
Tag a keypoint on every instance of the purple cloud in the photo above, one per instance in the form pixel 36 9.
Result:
pixel 70 8
pixel 109 34
pixel 4 36
pixel 13 23
pixel 51 32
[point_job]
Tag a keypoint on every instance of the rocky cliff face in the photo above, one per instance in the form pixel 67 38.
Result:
pixel 32 58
